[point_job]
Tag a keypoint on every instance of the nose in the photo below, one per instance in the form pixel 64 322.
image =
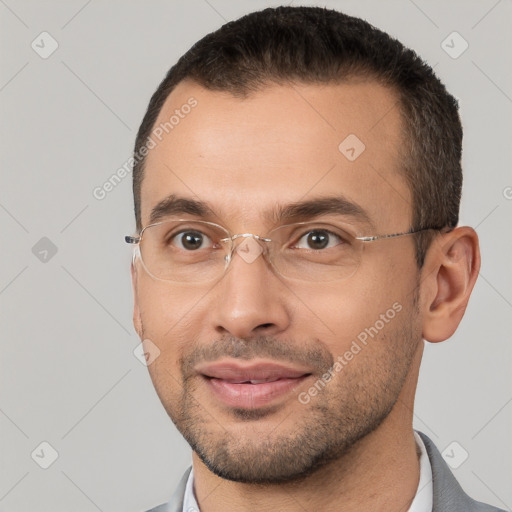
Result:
pixel 250 299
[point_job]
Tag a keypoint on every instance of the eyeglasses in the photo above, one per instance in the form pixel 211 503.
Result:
pixel 183 251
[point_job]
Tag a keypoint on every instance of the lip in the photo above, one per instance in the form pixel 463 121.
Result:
pixel 230 382
pixel 262 370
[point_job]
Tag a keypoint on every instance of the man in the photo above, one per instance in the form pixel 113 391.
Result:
pixel 297 183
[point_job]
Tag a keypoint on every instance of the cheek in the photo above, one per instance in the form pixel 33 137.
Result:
pixel 372 299
pixel 168 318
pixel 164 304
pixel 171 317
pixel 388 271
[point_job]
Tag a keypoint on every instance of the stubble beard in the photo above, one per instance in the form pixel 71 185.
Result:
pixel 351 406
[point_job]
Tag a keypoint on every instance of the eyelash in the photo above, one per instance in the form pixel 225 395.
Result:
pixel 297 238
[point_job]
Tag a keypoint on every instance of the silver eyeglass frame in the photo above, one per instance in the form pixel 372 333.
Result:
pixel 136 239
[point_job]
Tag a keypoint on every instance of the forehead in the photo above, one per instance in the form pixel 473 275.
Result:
pixel 283 144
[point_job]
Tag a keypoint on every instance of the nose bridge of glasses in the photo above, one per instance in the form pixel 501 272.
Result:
pixel 250 235
pixel 247 245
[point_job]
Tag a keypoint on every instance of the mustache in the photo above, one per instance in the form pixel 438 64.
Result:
pixel 314 355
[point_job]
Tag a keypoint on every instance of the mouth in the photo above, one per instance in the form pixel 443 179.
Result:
pixel 250 381
pixel 251 386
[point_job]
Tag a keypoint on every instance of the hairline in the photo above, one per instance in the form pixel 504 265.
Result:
pixel 357 76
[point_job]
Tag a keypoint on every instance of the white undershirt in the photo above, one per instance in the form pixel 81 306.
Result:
pixel 189 501
pixel 422 500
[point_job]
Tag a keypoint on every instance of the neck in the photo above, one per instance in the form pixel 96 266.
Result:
pixel 381 472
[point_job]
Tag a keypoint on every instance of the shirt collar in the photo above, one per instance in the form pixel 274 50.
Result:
pixel 189 500
pixel 423 499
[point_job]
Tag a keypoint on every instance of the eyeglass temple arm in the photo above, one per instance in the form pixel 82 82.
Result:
pixel 394 235
pixel 132 239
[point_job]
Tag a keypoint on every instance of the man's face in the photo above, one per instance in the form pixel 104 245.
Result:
pixel 244 158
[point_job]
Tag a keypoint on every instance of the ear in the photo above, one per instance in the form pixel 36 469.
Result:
pixel 449 273
pixel 137 322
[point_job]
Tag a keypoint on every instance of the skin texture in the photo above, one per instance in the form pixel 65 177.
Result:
pixel 352 443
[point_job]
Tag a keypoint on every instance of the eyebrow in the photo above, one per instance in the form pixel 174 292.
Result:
pixel 333 205
pixel 175 205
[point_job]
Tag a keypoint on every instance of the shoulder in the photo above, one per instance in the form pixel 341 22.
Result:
pixel 448 495
pixel 175 504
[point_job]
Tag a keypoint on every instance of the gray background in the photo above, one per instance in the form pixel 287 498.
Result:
pixel 68 374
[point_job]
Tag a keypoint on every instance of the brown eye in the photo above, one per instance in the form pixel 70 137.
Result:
pixel 318 239
pixel 190 240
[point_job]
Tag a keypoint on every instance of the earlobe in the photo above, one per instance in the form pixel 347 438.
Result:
pixel 452 268
pixel 137 322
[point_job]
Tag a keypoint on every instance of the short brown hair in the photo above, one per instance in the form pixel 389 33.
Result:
pixel 316 45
